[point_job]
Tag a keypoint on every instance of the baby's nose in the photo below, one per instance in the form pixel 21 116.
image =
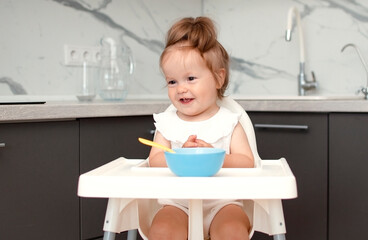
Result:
pixel 182 88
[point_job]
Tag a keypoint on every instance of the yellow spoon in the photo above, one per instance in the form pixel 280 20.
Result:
pixel 154 144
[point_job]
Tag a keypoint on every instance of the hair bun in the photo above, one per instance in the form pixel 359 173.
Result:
pixel 200 33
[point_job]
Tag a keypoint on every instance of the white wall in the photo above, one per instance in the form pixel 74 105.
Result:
pixel 33 34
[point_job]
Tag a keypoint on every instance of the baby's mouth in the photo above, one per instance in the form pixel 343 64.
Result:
pixel 186 100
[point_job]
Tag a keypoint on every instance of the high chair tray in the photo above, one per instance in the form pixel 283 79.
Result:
pixel 132 178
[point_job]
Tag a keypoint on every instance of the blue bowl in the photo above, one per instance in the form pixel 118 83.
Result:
pixel 195 162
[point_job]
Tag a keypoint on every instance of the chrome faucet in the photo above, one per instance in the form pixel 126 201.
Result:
pixel 303 83
pixel 364 90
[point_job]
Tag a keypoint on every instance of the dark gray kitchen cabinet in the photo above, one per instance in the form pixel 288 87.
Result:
pixel 348 184
pixel 101 141
pixel 39 169
pixel 302 138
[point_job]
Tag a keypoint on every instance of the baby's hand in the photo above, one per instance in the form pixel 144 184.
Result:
pixel 191 142
pixel 203 144
pixel 194 142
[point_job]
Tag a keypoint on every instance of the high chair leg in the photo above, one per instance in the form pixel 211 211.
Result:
pixel 113 219
pixel 279 237
pixel 109 236
pixel 276 217
pixel 132 234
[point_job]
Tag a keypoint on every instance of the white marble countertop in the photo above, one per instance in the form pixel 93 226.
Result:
pixel 70 109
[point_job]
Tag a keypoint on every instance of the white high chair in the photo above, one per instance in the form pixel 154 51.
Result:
pixel 132 188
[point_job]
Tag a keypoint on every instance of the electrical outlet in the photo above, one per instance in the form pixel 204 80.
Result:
pixel 77 55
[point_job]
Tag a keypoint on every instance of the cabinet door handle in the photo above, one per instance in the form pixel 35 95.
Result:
pixel 2 145
pixel 281 126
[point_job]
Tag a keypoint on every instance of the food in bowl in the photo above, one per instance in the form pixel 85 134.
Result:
pixel 195 162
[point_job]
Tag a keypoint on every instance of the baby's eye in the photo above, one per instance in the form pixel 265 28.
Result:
pixel 171 82
pixel 191 78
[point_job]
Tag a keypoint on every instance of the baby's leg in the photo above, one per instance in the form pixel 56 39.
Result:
pixel 169 223
pixel 230 222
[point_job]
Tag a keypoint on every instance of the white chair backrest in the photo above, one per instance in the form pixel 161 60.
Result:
pixel 245 121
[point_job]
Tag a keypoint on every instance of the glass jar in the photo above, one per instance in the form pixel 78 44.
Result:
pixel 116 69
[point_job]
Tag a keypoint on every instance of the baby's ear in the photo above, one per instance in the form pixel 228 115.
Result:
pixel 221 74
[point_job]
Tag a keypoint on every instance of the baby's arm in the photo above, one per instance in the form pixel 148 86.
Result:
pixel 157 156
pixel 241 155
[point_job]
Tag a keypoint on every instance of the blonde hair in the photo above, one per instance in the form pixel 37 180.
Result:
pixel 200 34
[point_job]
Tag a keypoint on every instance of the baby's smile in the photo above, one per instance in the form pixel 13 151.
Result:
pixel 186 100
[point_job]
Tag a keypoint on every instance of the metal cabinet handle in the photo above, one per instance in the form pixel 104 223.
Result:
pixel 2 145
pixel 281 126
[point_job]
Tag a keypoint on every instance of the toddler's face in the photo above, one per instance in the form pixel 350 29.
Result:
pixel 192 87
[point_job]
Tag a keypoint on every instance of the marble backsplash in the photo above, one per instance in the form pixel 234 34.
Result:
pixel 33 34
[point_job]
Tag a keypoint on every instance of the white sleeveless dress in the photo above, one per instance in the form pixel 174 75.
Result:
pixel 216 131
